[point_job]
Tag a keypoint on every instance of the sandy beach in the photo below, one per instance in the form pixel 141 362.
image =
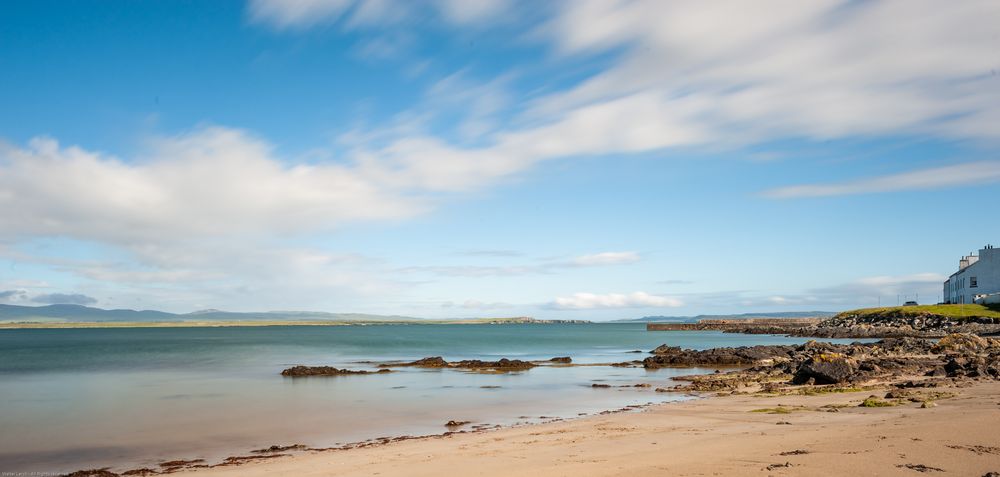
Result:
pixel 822 435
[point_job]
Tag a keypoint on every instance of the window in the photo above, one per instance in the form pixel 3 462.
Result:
pixel 972 282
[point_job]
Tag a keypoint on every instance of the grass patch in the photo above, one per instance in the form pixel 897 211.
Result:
pixel 816 391
pixel 950 311
pixel 774 410
pixel 876 402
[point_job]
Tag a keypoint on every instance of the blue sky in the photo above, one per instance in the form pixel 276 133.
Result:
pixel 586 159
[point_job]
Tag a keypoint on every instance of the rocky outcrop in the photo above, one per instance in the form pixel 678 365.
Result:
pixel 665 356
pixel 826 368
pixel 92 473
pixel 897 323
pixel 562 360
pixel 431 362
pixel 502 364
pixel 962 343
pixel 300 371
pixel 955 356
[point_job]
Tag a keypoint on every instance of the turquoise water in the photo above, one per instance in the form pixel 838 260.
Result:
pixel 75 398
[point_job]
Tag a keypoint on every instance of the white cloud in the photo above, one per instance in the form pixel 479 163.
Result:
pixel 968 174
pixel 593 260
pixel 296 13
pixel 64 299
pixel 470 12
pixel 212 182
pixel 739 71
pixel 690 73
pixel 606 258
pixel 589 301
pixel 687 75
pixel 302 14
pixel 478 305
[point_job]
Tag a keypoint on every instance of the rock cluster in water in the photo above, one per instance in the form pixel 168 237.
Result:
pixel 299 371
pixel 502 364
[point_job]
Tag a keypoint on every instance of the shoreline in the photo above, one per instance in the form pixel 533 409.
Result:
pixel 291 450
pixel 899 377
pixel 251 323
pixel 228 459
pixel 744 434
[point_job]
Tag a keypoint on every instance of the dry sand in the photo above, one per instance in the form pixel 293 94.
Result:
pixel 713 436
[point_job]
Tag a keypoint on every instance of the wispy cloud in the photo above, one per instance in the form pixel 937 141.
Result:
pixel 296 13
pixel 64 299
pixel 606 258
pixel 477 305
pixel 675 282
pixel 968 174
pixel 590 301
pixel 491 253
pixel 13 295
pixel 592 260
pixel 303 14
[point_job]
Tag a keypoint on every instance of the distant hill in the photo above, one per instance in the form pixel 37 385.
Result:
pixel 79 313
pixel 692 319
pixel 55 314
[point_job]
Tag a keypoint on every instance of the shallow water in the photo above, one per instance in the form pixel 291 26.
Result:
pixel 81 398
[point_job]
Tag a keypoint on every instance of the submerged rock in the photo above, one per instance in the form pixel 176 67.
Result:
pixel 430 362
pixel 503 364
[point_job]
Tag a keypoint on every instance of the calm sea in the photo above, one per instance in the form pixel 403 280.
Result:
pixel 82 398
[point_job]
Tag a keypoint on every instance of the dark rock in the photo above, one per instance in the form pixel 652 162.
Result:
pixel 795 452
pixel 920 468
pixel 299 371
pixel 276 448
pixel 181 463
pixel 502 364
pixel 242 459
pixel 431 362
pixel 598 385
pixel 454 423
pixel 666 349
pixel 562 359
pixel 938 371
pixel 143 472
pixel 826 368
pixel 674 356
pixel 92 473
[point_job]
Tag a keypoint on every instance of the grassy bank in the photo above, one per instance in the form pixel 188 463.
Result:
pixel 950 311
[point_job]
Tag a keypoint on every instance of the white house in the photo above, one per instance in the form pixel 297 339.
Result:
pixel 977 279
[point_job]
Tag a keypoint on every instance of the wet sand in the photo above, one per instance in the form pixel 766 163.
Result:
pixel 959 435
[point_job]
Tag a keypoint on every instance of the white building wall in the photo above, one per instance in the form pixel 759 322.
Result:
pixel 986 274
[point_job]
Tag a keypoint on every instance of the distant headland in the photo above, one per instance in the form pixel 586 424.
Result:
pixel 78 316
